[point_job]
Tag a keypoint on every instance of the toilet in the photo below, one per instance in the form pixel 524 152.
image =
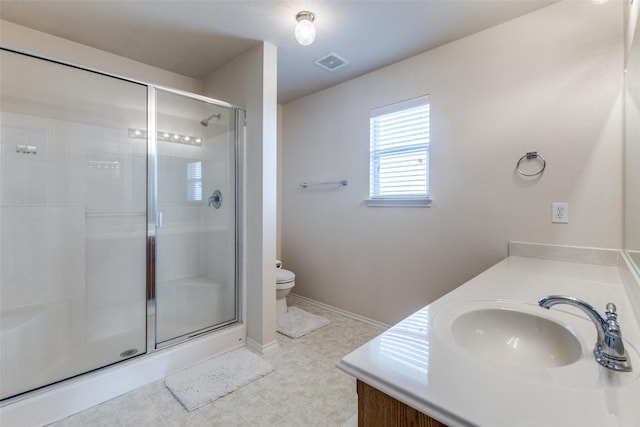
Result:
pixel 285 281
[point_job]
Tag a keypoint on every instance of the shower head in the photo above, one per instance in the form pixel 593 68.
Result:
pixel 205 122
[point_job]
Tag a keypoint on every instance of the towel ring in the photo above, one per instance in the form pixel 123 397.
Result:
pixel 531 156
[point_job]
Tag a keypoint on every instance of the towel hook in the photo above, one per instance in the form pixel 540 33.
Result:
pixel 531 155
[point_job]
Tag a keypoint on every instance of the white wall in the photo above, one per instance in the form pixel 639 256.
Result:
pixel 279 186
pixel 18 37
pixel 631 11
pixel 72 239
pixel 632 135
pixel 250 81
pixel 549 82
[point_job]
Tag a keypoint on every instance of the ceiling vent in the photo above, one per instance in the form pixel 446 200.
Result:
pixel 331 62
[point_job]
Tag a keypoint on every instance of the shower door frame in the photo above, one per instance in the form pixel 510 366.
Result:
pixel 152 212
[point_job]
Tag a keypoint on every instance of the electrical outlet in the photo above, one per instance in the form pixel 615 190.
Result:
pixel 560 212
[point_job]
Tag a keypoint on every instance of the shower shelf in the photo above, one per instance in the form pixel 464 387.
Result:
pixel 98 214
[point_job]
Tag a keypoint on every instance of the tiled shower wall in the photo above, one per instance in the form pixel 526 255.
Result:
pixel 80 196
pixel 194 235
pixel 72 247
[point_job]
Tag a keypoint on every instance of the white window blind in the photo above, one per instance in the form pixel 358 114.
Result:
pixel 399 150
pixel 194 181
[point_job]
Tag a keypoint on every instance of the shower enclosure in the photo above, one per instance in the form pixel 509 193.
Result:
pixel 118 220
pixel 195 227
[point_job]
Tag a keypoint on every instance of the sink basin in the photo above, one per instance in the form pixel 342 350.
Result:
pixel 515 338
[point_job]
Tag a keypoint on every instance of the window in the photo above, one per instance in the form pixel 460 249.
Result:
pixel 194 181
pixel 399 154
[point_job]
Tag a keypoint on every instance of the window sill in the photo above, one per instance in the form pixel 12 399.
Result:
pixel 399 203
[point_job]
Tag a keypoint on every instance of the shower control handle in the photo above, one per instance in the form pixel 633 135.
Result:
pixel 215 199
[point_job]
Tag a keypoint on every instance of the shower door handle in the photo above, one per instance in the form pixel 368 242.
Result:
pixel 159 220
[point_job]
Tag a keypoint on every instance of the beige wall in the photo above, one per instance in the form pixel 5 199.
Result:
pixel 279 186
pixel 631 10
pixel 39 43
pixel 550 81
pixel 632 133
pixel 250 81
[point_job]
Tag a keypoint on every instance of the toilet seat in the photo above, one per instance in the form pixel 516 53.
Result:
pixel 285 281
pixel 284 276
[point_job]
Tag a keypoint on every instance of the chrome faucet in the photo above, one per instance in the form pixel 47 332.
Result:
pixel 609 350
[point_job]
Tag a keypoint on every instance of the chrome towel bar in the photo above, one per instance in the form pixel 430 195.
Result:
pixel 310 184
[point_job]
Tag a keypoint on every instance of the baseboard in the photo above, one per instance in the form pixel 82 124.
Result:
pixel 261 348
pixel 340 311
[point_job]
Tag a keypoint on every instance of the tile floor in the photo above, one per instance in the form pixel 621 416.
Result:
pixel 304 389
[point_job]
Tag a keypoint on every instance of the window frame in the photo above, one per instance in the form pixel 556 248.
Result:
pixel 400 200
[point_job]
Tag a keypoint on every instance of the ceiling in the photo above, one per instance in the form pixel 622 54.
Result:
pixel 195 38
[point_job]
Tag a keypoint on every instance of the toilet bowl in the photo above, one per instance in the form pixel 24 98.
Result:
pixel 285 281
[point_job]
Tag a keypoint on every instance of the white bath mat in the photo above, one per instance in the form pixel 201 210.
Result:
pixel 210 380
pixel 297 322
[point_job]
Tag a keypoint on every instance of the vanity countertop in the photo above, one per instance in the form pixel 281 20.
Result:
pixel 418 363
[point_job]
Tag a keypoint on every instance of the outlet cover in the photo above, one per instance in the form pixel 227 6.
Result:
pixel 560 212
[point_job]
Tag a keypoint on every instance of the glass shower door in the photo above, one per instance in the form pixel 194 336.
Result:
pixel 195 268
pixel 72 222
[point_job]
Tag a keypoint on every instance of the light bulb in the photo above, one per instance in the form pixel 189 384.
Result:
pixel 305 32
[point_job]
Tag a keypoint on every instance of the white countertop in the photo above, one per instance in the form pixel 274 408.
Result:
pixel 418 362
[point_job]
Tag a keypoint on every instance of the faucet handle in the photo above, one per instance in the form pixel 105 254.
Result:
pixel 612 326
pixel 611 352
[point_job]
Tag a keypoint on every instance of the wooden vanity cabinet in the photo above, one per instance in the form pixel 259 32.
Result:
pixel 377 409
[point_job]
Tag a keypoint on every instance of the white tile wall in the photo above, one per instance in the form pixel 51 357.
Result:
pixel 72 273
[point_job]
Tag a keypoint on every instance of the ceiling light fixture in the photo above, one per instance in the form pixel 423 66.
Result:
pixel 305 31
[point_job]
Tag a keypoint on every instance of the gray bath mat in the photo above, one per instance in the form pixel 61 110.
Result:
pixel 210 380
pixel 297 322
